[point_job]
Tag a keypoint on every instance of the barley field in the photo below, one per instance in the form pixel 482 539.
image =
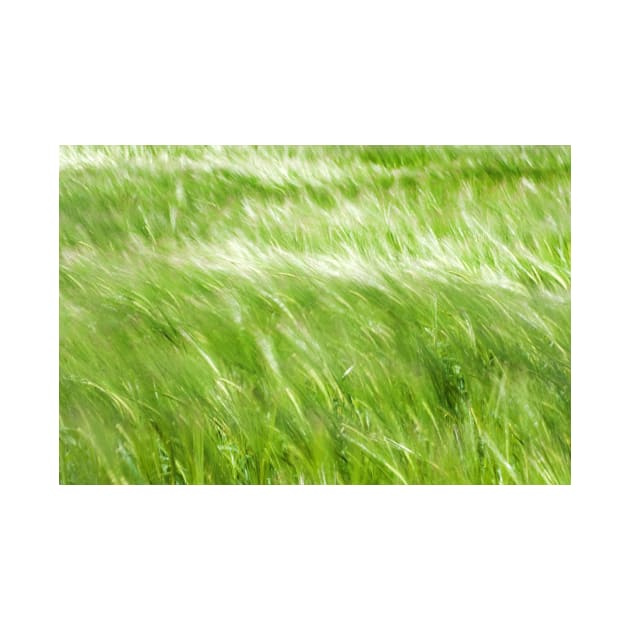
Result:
pixel 314 315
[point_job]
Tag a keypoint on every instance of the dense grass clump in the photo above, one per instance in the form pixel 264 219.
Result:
pixel 344 315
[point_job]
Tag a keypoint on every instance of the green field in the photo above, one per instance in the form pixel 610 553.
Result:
pixel 317 315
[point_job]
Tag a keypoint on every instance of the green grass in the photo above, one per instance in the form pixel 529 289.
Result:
pixel 338 315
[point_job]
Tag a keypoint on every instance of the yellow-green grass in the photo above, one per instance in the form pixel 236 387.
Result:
pixel 347 315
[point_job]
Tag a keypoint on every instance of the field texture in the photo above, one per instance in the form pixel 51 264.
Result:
pixel 318 315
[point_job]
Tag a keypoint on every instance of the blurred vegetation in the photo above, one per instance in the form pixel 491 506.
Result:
pixel 349 315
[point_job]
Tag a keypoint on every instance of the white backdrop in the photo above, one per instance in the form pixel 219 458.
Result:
pixel 313 557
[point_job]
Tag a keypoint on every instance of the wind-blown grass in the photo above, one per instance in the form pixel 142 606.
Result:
pixel 315 315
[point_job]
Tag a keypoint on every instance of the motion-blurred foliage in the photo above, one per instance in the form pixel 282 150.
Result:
pixel 315 315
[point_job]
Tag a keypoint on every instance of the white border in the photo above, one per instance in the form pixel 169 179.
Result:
pixel 315 557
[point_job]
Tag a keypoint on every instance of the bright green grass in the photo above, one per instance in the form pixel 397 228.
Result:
pixel 288 315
